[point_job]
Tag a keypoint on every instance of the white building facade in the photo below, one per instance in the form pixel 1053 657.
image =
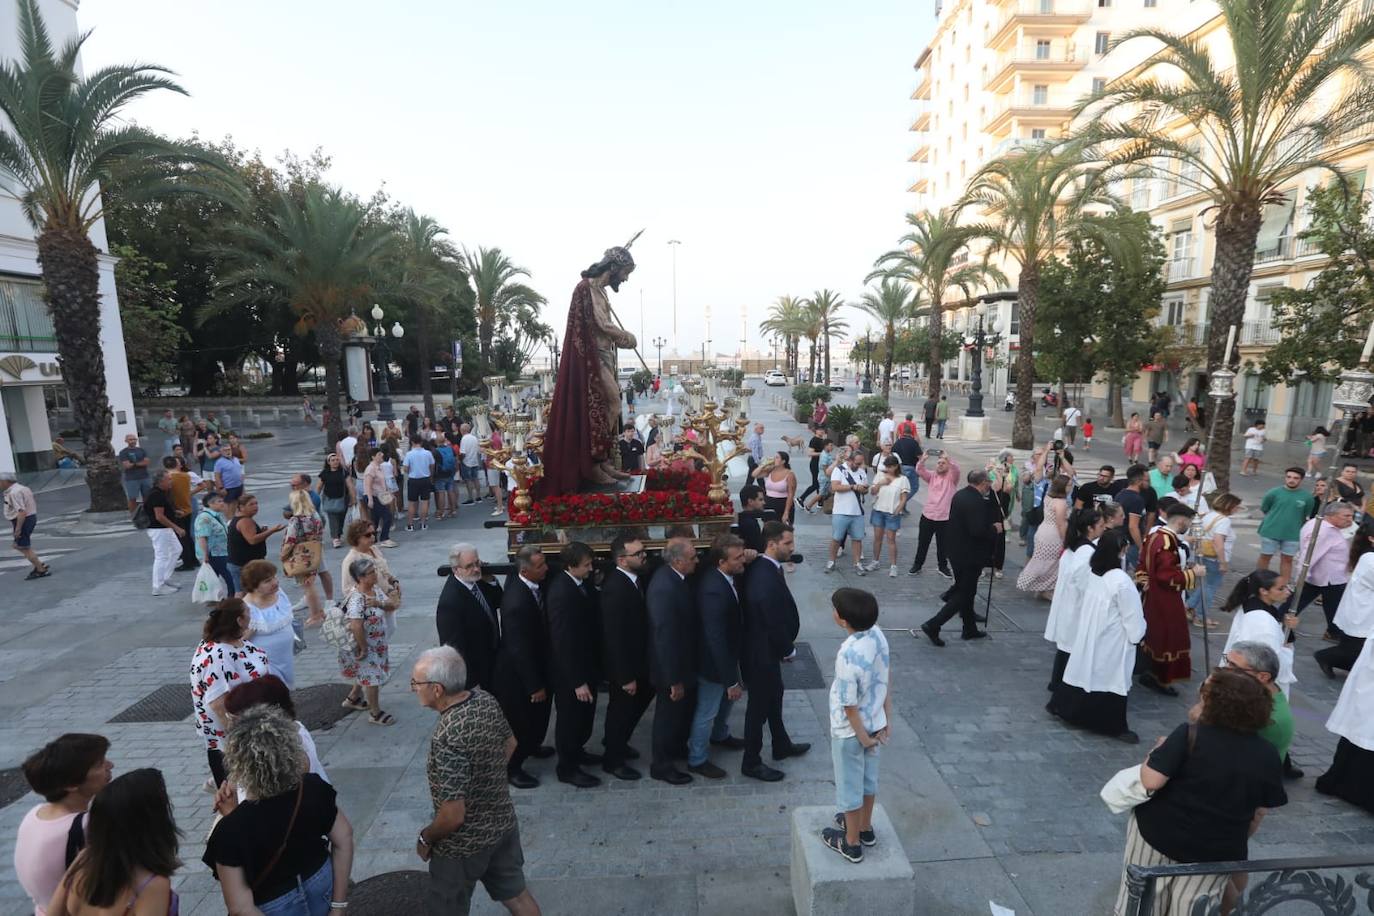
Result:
pixel 31 385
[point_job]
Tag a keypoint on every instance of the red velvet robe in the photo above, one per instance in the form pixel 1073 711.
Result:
pixel 579 434
pixel 1162 574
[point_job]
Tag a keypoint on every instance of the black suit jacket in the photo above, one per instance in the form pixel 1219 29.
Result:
pixel 970 531
pixel 721 629
pixel 524 655
pixel 771 621
pixel 463 624
pixel 672 630
pixel 624 629
pixel 750 528
pixel 574 632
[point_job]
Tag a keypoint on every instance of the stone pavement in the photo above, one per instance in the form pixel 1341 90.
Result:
pixel 992 800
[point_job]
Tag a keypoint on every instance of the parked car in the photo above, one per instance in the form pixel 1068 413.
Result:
pixel 836 385
pixel 774 378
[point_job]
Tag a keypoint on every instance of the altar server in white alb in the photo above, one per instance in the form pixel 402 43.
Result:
pixel 1085 527
pixel 1351 775
pixel 1111 622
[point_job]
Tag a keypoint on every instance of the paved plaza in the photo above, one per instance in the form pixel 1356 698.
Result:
pixel 992 799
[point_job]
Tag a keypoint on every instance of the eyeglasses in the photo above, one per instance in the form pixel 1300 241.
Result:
pixel 414 683
pixel 638 553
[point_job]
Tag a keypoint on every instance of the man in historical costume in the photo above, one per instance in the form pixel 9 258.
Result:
pixel 1164 576
pixel 580 441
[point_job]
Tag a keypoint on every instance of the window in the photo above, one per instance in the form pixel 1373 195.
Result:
pixel 1140 194
pixel 1099 85
pixel 1014 323
pixel 1047 6
pixel 1102 42
pixel 965 92
pixel 1103 4
pixel 1037 133
pixel 1172 313
pixel 1042 50
pixel 1040 94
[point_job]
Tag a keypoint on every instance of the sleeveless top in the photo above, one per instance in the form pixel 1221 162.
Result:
pixel 775 488
pixel 240 550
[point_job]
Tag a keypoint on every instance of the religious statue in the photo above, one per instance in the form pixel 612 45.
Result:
pixel 584 420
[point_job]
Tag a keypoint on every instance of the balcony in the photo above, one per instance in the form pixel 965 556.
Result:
pixel 25 324
pixel 1259 332
pixel 1060 64
pixel 1307 248
pixel 1025 111
pixel 1012 144
pixel 922 90
pixel 921 152
pixel 1038 17
pixel 922 122
pixel 1176 269
pixel 1278 249
pixel 922 182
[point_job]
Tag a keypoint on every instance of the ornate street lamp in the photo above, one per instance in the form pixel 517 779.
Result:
pixel 978 343
pixel 384 411
pixel 659 343
pixel 868 364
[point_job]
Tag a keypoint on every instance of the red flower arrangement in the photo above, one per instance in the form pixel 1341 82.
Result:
pixel 687 500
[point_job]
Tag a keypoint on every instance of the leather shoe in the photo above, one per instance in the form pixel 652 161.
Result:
pixel 521 780
pixel 980 618
pixel 707 769
pixel 1326 669
pixel 761 771
pixel 932 634
pixel 673 777
pixel 731 742
pixel 627 773
pixel 544 753
pixel 631 753
pixel 976 634
pixel 580 779
pixel 587 758
pixel 1290 771
pixel 795 749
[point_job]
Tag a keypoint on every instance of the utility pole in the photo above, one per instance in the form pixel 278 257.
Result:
pixel 674 243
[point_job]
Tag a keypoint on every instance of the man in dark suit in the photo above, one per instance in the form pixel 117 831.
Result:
pixel 467 616
pixel 625 641
pixel 752 517
pixel 522 665
pixel 672 657
pixel 974 523
pixel 575 634
pixel 771 624
pixel 719 632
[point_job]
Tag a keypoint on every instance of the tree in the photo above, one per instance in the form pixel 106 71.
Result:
pixel 64 134
pixel 318 255
pixel 824 307
pixel 891 303
pixel 1032 201
pixel 423 283
pixel 1098 312
pixel 1292 83
pixel 494 283
pixel 1322 328
pixel 148 313
pixel 787 321
pixel 934 257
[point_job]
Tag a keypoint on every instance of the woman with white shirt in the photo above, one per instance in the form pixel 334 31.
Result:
pixel 1085 527
pixel 269 618
pixel 1351 775
pixel 1218 540
pixel 1260 597
pixel 1111 622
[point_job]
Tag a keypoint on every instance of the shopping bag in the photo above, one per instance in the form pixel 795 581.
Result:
pixel 209 587
pixel 352 515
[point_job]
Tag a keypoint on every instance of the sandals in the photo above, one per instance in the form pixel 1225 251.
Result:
pixel 354 703
pixel 384 718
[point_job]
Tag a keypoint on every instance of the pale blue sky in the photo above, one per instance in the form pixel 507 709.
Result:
pixel 770 137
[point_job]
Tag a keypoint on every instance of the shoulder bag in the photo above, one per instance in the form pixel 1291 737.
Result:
pixel 1125 790
pixel 276 857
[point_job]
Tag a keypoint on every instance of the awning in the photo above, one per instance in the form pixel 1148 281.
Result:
pixel 1277 223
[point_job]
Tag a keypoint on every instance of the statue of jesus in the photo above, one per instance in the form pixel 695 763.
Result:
pixel 579 443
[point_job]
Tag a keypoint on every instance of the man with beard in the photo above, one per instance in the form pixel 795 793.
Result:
pixel 580 441
pixel 522 665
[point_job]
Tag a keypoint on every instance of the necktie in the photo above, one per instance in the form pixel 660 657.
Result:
pixel 481 599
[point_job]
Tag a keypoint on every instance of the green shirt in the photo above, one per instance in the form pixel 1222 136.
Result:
pixel 1285 511
pixel 942 410
pixel 1279 731
pixel 1162 485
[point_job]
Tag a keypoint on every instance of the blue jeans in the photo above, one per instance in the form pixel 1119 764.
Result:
pixel 711 722
pixel 381 518
pixel 233 570
pixel 310 897
pixel 1201 597
pixel 940 428
pixel 911 478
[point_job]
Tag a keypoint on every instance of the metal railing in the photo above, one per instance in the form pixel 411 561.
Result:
pixel 1280 249
pixel 1179 268
pixel 25 323
pixel 1259 331
pixel 1288 881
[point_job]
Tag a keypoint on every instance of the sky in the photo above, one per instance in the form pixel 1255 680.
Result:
pixel 770 138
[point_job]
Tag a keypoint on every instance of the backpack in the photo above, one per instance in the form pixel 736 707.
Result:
pixel 141 518
pixel 446 460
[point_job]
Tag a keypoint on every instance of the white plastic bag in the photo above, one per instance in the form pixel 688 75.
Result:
pixel 209 587
pixel 351 515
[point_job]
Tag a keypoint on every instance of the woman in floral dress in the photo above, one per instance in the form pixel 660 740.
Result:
pixel 1042 569
pixel 222 661
pixel 1134 440
pixel 366 662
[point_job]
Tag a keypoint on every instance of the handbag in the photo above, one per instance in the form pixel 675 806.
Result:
pixel 334 630
pixel 303 559
pixel 276 857
pixel 334 504
pixel 1125 790
pixel 209 587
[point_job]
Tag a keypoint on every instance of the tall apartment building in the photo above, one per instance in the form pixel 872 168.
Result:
pixel 998 74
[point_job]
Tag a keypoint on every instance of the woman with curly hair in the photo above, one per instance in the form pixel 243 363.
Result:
pixel 130 854
pixel 269 851
pixel 272 691
pixel 1212 783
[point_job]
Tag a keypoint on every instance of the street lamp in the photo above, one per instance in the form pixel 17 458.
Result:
pixel 978 342
pixel 674 243
pixel 868 363
pixel 659 342
pixel 384 411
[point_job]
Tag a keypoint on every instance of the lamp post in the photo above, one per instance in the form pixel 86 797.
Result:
pixel 384 411
pixel 868 363
pixel 1220 387
pixel 674 243
pixel 553 342
pixel 658 343
pixel 979 341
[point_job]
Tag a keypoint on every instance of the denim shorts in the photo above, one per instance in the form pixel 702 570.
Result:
pixel 469 471
pixel 1270 547
pixel 885 521
pixel 847 525
pixel 22 533
pixel 443 481
pixel 138 488
pixel 310 896
pixel 856 772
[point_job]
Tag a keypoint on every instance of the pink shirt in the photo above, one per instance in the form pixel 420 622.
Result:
pixel 1193 458
pixel 40 853
pixel 939 491
pixel 1330 559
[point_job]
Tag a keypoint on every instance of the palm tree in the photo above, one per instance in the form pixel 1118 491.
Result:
pixel 63 135
pixel 426 277
pixel 824 306
pixel 1031 201
pixel 787 320
pixel 1300 84
pixel 493 277
pixel 891 303
pixel 929 258
pixel 318 252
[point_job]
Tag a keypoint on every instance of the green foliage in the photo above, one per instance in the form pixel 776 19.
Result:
pixel 505 307
pixel 1322 328
pixel 804 398
pixel 149 314
pixel 733 378
pixel 641 381
pixel 841 421
pixel 463 406
pixel 867 414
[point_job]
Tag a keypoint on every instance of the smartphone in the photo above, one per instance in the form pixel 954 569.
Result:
pixel 935 452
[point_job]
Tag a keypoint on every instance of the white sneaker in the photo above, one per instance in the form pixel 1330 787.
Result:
pixel 892 572
pixel 172 585
pixel 830 566
pixel 162 591
pixel 496 511
pixel 872 565
pixel 860 571
pixel 388 543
